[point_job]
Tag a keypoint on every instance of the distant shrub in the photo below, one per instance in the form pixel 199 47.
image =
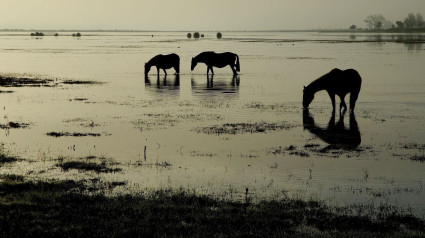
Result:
pixel 189 35
pixel 56 34
pixel 196 35
pixel 37 34
pixel 78 34
pixel 202 35
pixel 219 35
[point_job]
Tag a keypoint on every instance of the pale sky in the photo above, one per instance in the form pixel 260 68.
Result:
pixel 201 15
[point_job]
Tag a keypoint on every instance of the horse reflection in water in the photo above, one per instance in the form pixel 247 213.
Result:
pixel 335 133
pixel 215 86
pixel 235 82
pixel 165 82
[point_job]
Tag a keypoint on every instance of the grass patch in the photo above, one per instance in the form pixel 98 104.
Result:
pixel 4 159
pixel 420 158
pixel 24 81
pixel 11 81
pixel 65 209
pixel 14 125
pixel 72 82
pixel 87 166
pixel 75 134
pixel 236 128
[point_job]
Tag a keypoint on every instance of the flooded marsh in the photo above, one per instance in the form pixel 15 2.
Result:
pixel 218 135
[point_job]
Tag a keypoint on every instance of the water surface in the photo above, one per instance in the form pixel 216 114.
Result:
pixel 220 135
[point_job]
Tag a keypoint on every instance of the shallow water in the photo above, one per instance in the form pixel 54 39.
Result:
pixel 224 134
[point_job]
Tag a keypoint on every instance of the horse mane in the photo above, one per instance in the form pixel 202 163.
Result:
pixel 203 54
pixel 315 85
pixel 153 60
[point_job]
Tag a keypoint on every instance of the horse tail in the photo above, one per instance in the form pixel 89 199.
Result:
pixel 238 67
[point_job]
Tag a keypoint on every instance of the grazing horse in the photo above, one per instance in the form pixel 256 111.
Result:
pixel 163 62
pixel 212 59
pixel 335 134
pixel 337 82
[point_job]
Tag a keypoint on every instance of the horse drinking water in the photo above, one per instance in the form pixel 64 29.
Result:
pixel 212 59
pixel 163 62
pixel 337 82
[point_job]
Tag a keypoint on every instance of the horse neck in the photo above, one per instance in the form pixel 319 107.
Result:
pixel 199 58
pixel 151 62
pixel 317 85
pixel 202 57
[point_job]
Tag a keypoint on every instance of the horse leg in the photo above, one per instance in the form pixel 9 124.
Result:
pixel 342 105
pixel 233 69
pixel 157 71
pixel 332 96
pixel 212 71
pixel 353 99
pixel 165 72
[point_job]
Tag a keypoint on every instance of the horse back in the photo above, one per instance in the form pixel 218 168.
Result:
pixel 166 61
pixel 344 81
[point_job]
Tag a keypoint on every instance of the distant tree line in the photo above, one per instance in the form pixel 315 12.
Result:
pixel 196 35
pixel 56 34
pixel 378 22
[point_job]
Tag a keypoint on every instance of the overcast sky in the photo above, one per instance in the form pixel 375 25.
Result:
pixel 199 14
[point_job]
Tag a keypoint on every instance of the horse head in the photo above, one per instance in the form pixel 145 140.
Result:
pixel 193 64
pixel 147 68
pixel 307 97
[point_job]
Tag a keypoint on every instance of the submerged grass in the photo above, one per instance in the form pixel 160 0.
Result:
pixel 12 81
pixel 23 81
pixel 420 158
pixel 66 209
pixel 236 128
pixel 75 134
pixel 87 166
pixel 4 159
pixel 14 125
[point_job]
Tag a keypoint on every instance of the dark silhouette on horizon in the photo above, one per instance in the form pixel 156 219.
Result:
pixel 335 133
pixel 164 62
pixel 337 82
pixel 212 59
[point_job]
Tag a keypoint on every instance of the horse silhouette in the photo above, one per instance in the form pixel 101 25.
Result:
pixel 335 134
pixel 337 82
pixel 164 62
pixel 212 59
